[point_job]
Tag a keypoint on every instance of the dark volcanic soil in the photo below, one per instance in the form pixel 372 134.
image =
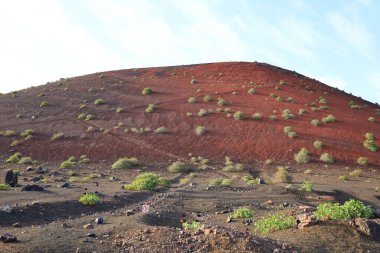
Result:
pixel 245 141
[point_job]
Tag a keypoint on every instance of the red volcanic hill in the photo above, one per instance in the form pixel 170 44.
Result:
pixel 108 134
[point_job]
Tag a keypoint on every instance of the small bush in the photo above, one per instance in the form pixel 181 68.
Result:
pixel 43 104
pixel 200 130
pixel 307 186
pixel 292 134
pixel 316 122
pixel 251 91
pixel 82 115
pixel 317 144
pixel 67 164
pixel 282 82
pixel 329 119
pixel 145 181
pixel 27 133
pixel 57 136
pixel 215 182
pixel 187 180
pixel 327 158
pixel 207 98
pixel 125 163
pixel 322 100
pixel 371 119
pixel 282 175
pixel 99 101
pixel 369 143
pixel 89 199
pixel 177 167
pixel 202 112
pixel 161 130
pixel 26 160
pixel 302 156
pixel 342 178
pixel 151 108
pixel 242 213
pixel 195 225
pixel 7 133
pixel 89 117
pixel 349 210
pixel 247 178
pixel 221 102
pixel 4 187
pixel 273 223
pixel 301 111
pixel 362 160
pixel 256 116
pixel 356 173
pixel 119 110
pixel 192 100
pixel 238 115
pixel 287 114
pixel 15 158
pixel 290 100
pixel 227 182
pixel 279 99
pixel 308 171
pixel 146 91
pixel 272 117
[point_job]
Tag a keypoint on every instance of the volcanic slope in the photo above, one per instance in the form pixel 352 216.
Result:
pixel 120 126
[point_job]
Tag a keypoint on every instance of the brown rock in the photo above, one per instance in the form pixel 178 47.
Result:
pixel 88 226
pixel 305 220
pixel 368 227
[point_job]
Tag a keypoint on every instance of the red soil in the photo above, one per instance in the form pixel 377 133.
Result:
pixel 246 141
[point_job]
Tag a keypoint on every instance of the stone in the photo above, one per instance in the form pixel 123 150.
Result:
pixel 99 220
pixel 41 170
pixel 32 187
pixel 91 235
pixel 37 178
pixel 247 222
pixel 29 168
pixel 65 185
pixel 269 202
pixel 376 212
pixel 368 227
pixel 17 225
pixel 88 226
pixel 130 212
pixel 8 238
pixel 306 220
pixel 112 179
pixel 6 209
pixel 11 178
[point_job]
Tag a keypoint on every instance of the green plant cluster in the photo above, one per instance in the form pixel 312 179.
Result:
pixel 125 163
pixel 195 225
pixel 369 142
pixel 89 199
pixel 302 156
pixel 242 213
pixel 349 210
pixel 146 181
pixel 273 223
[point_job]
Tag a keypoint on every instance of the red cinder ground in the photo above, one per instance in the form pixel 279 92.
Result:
pixel 246 141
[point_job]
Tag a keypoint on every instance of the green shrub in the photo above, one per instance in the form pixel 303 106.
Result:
pixel 215 182
pixel 282 82
pixel 349 210
pixel 342 178
pixel 362 160
pixel 308 171
pixel 99 101
pixel 4 187
pixel 7 133
pixel 202 112
pixel 207 98
pixel 256 116
pixel 322 100
pixel 187 180
pixel 230 166
pixel 251 91
pixel 301 111
pixel 27 133
pixel 43 104
pixel 307 186
pixel 292 134
pixel 279 99
pixel 282 175
pixel 242 213
pixel 302 156
pixel 287 114
pixel 200 130
pixel 125 163
pixel 273 223
pixel 177 167
pixel 287 129
pixel 221 102
pixel 82 115
pixel 146 91
pixel 14 143
pixel 57 136
pixel 163 182
pixel 89 199
pixel 89 117
pixel 247 178
pixel 161 130
pixel 329 119
pixel 76 179
pixel 15 158
pixel 316 122
pixel 317 144
pixel 67 164
pixel 356 173
pixel 151 108
pixel 272 117
pixel 192 100
pixel 238 115
pixel 27 160
pixel 119 110
pixel 290 100
pixel 371 120
pixel 369 143
pixel 277 88
pixel 145 181
pixel 227 182
pixel 195 225
pixel 327 158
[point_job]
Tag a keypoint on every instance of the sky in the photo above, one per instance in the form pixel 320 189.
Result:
pixel 334 41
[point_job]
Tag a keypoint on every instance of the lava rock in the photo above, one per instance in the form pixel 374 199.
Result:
pixel 99 220
pixel 368 227
pixel 91 235
pixel 29 168
pixel 65 185
pixel 11 178
pixel 88 226
pixel 6 209
pixel 247 222
pixel 38 178
pixel 32 187
pixel 41 170
pixel 130 212
pixel 8 238
pixel 306 220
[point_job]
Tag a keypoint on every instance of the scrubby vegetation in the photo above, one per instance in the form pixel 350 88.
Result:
pixel 215 182
pixel 287 114
pixel 273 223
pixel 302 156
pixel 327 158
pixel 288 130
pixel 4 187
pixel 239 115
pixel 230 166
pixel 195 225
pixel 57 136
pixel 178 167
pixel 146 91
pixel 251 91
pixel 242 213
pixel 207 98
pixel 316 122
pixel 256 116
pixel 369 142
pixel 329 119
pixel 99 101
pixel 125 163
pixel 317 144
pixel 282 175
pixel 161 130
pixel 151 108
pixel 200 130
pixel 89 199
pixel 145 181
pixel 307 186
pixel 362 160
pixel 349 210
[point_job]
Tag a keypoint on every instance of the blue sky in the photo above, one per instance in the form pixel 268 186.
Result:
pixel 336 42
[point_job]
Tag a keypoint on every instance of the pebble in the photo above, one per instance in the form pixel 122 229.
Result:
pixel 99 220
pixel 88 226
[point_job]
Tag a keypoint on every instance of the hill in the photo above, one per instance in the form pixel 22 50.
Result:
pixel 119 125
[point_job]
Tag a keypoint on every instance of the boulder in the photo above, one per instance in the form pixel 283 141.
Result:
pixel 11 178
pixel 368 227
pixel 8 238
pixel 305 220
